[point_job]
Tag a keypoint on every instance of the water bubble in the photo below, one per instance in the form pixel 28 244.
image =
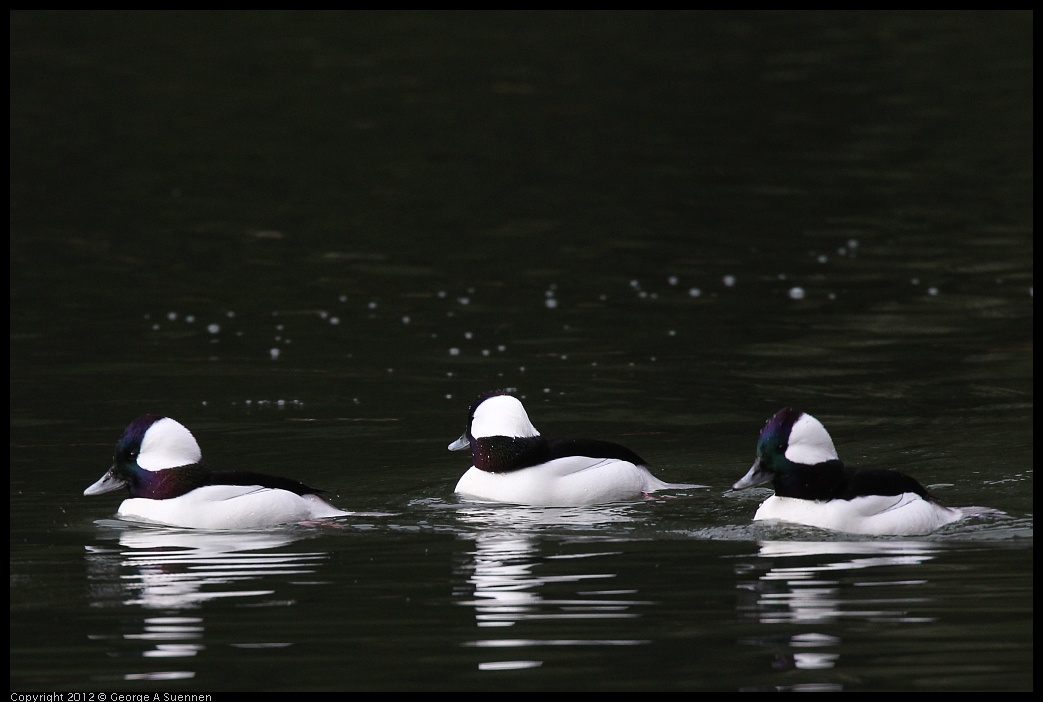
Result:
pixel 672 280
pixel 213 328
pixel 454 351
pixel 405 319
pixel 372 305
pixel 823 258
pixel 274 353
pixel 796 293
pixel 189 318
pixel 932 291
pixel 729 281
pixel 694 292
pixel 171 316
pixel 334 320
pixel 464 300
pixel 550 303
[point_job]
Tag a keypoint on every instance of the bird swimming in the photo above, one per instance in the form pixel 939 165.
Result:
pixel 514 463
pixel 795 454
pixel 161 465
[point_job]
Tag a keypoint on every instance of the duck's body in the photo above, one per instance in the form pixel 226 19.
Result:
pixel 813 487
pixel 159 462
pixel 513 463
pixel 878 515
pixel 570 481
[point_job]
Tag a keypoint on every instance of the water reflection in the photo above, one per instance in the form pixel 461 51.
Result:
pixel 170 574
pixel 525 598
pixel 816 584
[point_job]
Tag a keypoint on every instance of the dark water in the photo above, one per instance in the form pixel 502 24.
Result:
pixel 315 238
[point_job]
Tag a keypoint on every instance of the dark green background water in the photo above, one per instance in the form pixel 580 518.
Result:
pixel 314 238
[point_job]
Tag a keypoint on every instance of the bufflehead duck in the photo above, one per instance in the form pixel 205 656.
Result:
pixel 513 463
pixel 158 460
pixel 813 486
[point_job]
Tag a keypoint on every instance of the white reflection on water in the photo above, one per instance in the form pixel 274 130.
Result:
pixel 817 583
pixel 177 571
pixel 524 598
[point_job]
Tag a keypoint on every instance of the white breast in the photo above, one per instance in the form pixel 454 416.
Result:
pixel 229 507
pixel 875 515
pixel 563 482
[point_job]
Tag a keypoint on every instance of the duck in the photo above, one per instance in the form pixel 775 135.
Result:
pixel 159 462
pixel 813 487
pixel 514 463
